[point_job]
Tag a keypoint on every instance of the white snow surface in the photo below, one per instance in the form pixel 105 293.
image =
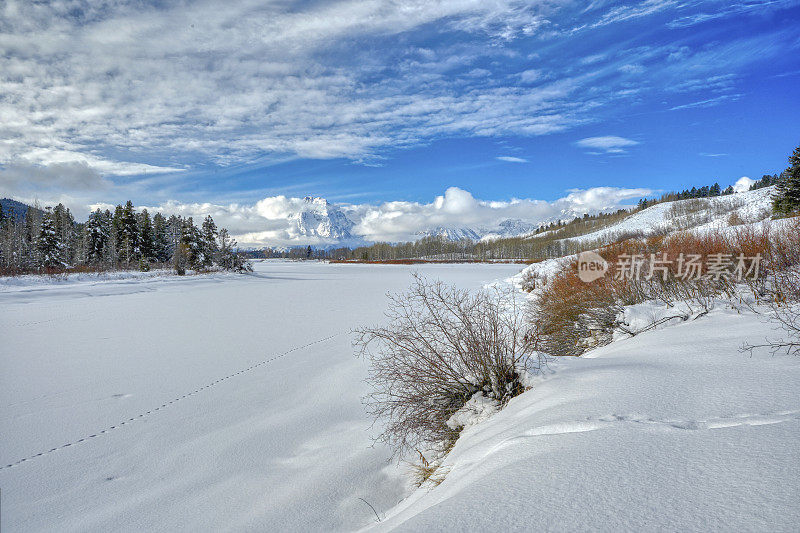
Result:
pixel 671 430
pixel 199 404
pixel 476 410
pixel 171 404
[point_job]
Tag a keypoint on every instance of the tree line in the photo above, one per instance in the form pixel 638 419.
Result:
pixel 50 240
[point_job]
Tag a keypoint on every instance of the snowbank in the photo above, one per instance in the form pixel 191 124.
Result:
pixel 673 429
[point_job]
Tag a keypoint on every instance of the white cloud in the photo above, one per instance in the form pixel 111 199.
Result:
pixel 709 102
pixel 743 184
pixel 119 83
pixel 511 159
pixel 631 68
pixel 531 75
pixel 610 144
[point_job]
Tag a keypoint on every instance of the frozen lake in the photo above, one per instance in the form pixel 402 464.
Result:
pixel 159 403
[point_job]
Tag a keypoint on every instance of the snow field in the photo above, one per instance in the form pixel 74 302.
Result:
pixel 237 437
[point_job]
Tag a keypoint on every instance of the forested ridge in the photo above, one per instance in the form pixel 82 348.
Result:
pixel 49 240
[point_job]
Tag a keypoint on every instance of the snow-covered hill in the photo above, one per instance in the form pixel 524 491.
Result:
pixel 704 213
pixel 671 430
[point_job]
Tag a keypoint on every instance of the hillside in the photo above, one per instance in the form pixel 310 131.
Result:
pixel 18 208
pixel 745 207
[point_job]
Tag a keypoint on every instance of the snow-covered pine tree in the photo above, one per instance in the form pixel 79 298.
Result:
pixel 160 239
pixel 116 235
pixel 65 229
pixel 229 258
pixel 97 238
pixel 146 237
pixel 192 241
pixel 209 241
pixel 48 244
pixel 129 235
pixel 787 192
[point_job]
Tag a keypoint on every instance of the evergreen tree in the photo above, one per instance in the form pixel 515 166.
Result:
pixel 129 235
pixel 48 243
pixel 229 259
pixel 146 237
pixel 116 235
pixel 714 190
pixel 191 244
pixel 209 241
pixel 65 229
pixel 787 192
pixel 160 239
pixel 97 238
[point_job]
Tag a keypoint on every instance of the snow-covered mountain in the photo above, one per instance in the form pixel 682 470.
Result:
pixel 322 219
pixel 509 228
pixel 451 234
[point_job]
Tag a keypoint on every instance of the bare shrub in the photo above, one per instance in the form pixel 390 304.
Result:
pixel 735 220
pixel 531 280
pixel 570 316
pixel 442 346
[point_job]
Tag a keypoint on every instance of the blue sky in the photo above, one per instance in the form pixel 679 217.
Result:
pixel 367 102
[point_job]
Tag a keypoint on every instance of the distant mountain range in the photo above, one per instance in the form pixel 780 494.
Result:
pixel 506 228
pixel 12 206
pixel 319 219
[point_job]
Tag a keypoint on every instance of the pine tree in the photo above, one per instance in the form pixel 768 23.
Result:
pixel 48 244
pixel 209 241
pixel 116 235
pixel 146 237
pixel 97 238
pixel 192 244
pixel 787 193
pixel 65 229
pixel 229 258
pixel 129 235
pixel 160 239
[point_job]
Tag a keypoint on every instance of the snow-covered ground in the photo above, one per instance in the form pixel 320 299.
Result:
pixel 671 430
pixel 165 403
pixel 227 402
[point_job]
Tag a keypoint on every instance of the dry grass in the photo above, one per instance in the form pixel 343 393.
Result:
pixel 570 316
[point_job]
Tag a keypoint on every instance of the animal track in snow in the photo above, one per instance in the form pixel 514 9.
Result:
pixel 615 420
pixel 166 404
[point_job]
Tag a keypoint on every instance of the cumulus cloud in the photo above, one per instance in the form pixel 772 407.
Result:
pixel 743 184
pixel 609 144
pixel 272 220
